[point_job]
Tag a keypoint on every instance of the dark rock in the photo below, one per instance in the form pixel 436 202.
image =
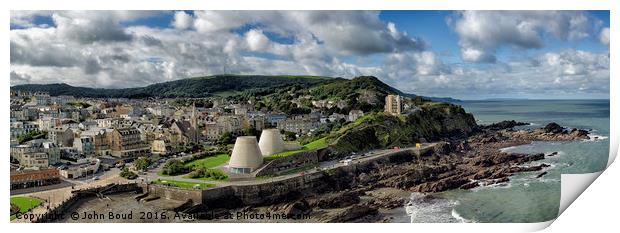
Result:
pixel 463 146
pixel 335 200
pixel 553 128
pixel 488 139
pixel 553 153
pixel 579 133
pixel 443 148
pixel 388 202
pixel 504 125
pixel 297 208
pixel 470 185
pixel 541 174
pixel 441 185
pixel 500 180
pixel 350 213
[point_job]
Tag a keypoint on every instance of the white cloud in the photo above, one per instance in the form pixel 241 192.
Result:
pixel 81 50
pixel 343 32
pixel 182 20
pixel 257 41
pixel 17 79
pixel 26 18
pixel 604 36
pixel 481 33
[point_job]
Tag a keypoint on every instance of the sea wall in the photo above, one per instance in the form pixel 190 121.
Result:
pixel 173 193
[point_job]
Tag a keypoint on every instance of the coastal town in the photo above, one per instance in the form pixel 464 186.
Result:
pixel 195 156
pixel 59 142
pixel 303 116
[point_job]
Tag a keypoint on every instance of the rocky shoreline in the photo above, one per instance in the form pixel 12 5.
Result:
pixel 372 194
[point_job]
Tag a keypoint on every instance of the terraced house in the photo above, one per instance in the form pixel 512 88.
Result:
pixel 126 142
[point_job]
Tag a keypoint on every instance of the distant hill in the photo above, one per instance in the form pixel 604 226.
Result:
pixel 230 85
pixel 191 87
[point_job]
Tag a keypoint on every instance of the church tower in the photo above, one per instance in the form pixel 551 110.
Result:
pixel 194 124
pixel 193 120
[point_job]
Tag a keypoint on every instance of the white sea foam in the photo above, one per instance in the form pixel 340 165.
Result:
pixel 595 137
pixel 506 149
pixel 548 180
pixel 460 218
pixel 429 209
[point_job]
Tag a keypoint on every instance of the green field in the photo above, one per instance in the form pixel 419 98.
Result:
pixel 310 146
pixel 209 162
pixel 183 184
pixel 25 204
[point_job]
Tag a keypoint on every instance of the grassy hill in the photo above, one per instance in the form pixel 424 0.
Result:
pixel 285 93
pixel 432 122
pixel 191 87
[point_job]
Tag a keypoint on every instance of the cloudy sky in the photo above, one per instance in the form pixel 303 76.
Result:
pixel 461 54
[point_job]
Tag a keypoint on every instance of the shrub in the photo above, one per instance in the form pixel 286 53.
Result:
pixel 215 174
pixel 197 173
pixel 142 163
pixel 174 167
pixel 128 174
pixel 211 174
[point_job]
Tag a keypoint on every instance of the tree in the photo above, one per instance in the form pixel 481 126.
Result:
pixel 174 167
pixel 288 136
pixel 125 173
pixel 35 134
pixel 142 163
pixel 225 138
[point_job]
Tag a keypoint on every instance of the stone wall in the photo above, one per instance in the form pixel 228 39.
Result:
pixel 174 193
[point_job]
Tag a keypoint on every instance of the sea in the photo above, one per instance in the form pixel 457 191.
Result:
pixel 525 198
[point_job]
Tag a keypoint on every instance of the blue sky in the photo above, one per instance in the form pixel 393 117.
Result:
pixel 462 54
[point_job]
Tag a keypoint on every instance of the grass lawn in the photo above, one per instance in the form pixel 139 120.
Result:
pixel 209 162
pixel 312 145
pixel 25 204
pixel 183 184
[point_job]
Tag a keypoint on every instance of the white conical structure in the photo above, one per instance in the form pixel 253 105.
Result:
pixel 271 142
pixel 246 156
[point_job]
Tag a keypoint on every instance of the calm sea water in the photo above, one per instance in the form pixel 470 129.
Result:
pixel 525 198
